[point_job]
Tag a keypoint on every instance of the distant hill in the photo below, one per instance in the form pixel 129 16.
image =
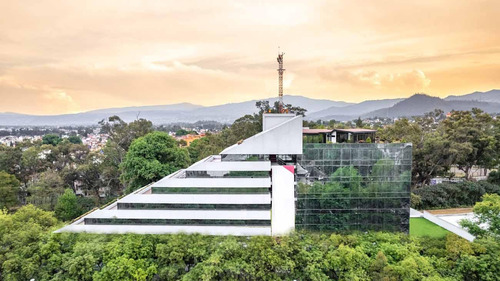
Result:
pixel 227 113
pixel 419 104
pixel 490 96
pixel 169 107
pixel 356 110
pixel 162 114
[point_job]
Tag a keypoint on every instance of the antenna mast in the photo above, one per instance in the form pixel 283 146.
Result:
pixel 280 89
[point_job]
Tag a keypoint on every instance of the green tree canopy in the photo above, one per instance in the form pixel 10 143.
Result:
pixel 45 189
pixel 486 217
pixel 471 134
pixel 51 139
pixel 67 207
pixel 121 135
pixel 9 189
pixel 75 139
pixel 151 158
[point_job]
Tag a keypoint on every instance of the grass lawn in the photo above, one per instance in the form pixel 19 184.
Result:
pixel 422 227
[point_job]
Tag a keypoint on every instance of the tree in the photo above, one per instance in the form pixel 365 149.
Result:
pixel 32 162
pixel 151 158
pixel 181 132
pixel 67 207
pixel 45 189
pixel 75 140
pixel 51 139
pixel 10 157
pixel 244 127
pixel 433 152
pixel 494 177
pixel 264 107
pixel 359 123
pixel 432 157
pixel 90 176
pixel 472 137
pixel 9 190
pixel 486 217
pixel 121 135
pixel 209 145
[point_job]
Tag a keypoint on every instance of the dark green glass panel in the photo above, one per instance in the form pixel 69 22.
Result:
pixel 165 206
pixel 209 190
pixel 116 221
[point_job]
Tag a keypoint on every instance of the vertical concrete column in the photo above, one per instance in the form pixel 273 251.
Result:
pixel 283 200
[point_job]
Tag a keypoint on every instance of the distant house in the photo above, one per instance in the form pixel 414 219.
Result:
pixel 316 135
pixel 337 135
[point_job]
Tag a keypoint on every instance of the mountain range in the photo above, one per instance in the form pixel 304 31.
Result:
pixel 417 104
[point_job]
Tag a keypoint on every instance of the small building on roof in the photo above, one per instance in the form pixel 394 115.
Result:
pixel 337 135
pixel 316 135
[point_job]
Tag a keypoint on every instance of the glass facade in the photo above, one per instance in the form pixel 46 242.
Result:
pixel 116 221
pixel 362 186
pixel 209 190
pixel 184 206
pixel 226 174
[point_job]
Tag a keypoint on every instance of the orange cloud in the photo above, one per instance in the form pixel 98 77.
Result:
pixel 110 54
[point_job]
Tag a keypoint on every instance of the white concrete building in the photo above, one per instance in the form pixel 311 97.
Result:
pixel 246 190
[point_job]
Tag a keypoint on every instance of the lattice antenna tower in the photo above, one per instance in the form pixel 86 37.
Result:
pixel 280 88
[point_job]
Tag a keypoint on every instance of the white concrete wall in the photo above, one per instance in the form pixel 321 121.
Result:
pixel 285 138
pixel 270 120
pixel 283 201
pixel 333 138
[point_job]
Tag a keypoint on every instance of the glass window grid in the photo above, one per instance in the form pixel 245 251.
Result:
pixel 210 190
pixel 226 174
pixel 205 222
pixel 375 197
pixel 168 206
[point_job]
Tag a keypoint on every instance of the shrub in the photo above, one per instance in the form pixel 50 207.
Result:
pixel 494 177
pixel 415 201
pixel 454 195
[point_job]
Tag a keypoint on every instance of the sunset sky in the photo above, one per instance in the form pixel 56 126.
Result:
pixel 71 56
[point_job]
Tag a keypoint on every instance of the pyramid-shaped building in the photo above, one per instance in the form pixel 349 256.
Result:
pixel 239 192
pixel 271 184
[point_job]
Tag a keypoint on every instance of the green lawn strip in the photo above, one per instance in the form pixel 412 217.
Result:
pixel 424 228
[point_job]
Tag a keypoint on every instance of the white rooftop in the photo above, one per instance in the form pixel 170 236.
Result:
pixel 213 182
pixel 231 166
pixel 183 214
pixel 198 198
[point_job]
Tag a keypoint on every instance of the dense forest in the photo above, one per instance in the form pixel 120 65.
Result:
pixel 30 251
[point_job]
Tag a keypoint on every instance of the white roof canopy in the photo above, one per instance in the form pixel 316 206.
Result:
pixel 231 166
pixel 183 214
pixel 213 182
pixel 284 138
pixel 198 199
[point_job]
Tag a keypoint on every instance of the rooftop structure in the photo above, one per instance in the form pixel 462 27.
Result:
pixel 356 135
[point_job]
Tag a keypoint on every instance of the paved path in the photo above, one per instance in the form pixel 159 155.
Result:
pixel 415 214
